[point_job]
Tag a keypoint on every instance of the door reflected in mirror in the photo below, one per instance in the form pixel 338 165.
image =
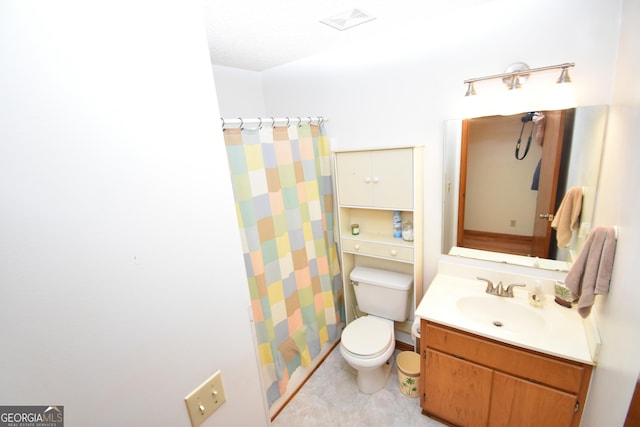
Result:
pixel 501 198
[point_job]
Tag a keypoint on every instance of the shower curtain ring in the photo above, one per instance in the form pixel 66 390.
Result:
pixel 260 123
pixel 310 120
pixel 299 121
pixel 222 118
pixel 273 122
pixel 287 121
pixel 241 123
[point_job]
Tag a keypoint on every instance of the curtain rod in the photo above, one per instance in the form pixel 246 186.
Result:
pixel 270 121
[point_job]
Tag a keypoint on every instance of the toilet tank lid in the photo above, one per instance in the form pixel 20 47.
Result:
pixel 388 279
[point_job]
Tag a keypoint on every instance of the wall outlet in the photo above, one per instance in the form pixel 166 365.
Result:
pixel 205 400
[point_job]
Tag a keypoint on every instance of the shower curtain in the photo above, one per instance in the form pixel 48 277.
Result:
pixel 283 192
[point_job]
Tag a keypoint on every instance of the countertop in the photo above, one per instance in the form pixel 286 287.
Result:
pixel 561 333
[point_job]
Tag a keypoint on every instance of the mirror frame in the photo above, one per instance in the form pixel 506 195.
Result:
pixel 586 153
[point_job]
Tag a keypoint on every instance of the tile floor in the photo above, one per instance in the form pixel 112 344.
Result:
pixel 331 398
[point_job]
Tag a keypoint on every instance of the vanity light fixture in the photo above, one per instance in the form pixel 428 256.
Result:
pixel 564 75
pixel 471 91
pixel 515 100
pixel 517 74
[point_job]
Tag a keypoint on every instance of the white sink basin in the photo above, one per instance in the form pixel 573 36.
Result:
pixel 502 313
pixel 460 302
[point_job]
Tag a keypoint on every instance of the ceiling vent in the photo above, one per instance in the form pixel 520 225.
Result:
pixel 348 19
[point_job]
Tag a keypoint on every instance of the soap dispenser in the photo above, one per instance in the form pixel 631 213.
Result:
pixel 536 297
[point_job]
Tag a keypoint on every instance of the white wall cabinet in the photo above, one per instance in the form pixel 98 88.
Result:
pixel 376 178
pixel 370 185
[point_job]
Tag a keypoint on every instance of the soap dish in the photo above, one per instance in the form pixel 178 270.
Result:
pixel 563 303
pixel 563 295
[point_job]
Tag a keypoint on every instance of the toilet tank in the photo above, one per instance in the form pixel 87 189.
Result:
pixel 382 293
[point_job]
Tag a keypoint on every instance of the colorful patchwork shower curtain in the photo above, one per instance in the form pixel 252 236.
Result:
pixel 284 201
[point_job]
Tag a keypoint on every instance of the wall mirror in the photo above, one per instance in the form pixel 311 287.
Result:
pixel 491 207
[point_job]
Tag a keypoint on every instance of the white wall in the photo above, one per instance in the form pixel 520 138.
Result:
pixel 241 91
pixel 400 88
pixel 122 283
pixel 618 203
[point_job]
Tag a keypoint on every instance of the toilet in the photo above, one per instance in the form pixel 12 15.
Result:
pixel 368 342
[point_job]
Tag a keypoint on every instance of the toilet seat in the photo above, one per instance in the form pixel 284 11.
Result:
pixel 367 337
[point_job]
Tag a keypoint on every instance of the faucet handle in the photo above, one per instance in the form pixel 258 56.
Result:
pixel 490 288
pixel 509 291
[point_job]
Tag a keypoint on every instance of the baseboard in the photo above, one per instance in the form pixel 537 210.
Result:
pixel 286 399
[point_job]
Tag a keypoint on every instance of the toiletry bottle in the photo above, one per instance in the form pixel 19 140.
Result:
pixel 536 298
pixel 407 231
pixel 397 224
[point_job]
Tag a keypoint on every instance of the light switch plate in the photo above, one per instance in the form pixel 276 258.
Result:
pixel 205 400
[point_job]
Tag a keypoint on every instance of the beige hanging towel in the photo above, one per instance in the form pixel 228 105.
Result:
pixel 590 275
pixel 567 218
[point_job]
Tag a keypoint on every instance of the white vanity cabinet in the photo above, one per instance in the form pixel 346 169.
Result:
pixel 370 185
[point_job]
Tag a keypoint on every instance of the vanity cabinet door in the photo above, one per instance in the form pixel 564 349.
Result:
pixel 455 390
pixel 377 178
pixel 517 402
pixel 470 380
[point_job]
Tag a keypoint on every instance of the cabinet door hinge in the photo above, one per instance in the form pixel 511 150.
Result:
pixel 424 354
pixel 577 407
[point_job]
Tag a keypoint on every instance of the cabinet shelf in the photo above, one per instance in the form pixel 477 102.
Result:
pixel 378 238
pixel 371 185
pixel 374 224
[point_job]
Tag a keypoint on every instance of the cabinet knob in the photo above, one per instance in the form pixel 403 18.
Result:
pixel 393 252
pixel 356 247
pixel 376 179
pixel 367 179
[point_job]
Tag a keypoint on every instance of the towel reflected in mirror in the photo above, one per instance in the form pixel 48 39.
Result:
pixel 567 218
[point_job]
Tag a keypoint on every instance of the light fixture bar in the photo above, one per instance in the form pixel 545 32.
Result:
pixel 518 72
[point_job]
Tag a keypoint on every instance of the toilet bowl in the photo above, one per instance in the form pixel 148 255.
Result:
pixel 367 345
pixel 368 342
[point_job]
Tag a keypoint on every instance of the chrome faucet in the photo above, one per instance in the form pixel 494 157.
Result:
pixel 509 291
pixel 490 288
pixel 500 290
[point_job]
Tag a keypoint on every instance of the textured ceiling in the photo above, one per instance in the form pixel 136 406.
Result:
pixel 260 34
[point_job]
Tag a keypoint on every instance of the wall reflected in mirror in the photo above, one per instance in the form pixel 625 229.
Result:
pixel 494 203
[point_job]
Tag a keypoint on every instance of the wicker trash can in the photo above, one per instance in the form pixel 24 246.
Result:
pixel 408 372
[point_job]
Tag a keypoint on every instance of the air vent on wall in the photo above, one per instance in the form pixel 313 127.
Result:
pixel 348 19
